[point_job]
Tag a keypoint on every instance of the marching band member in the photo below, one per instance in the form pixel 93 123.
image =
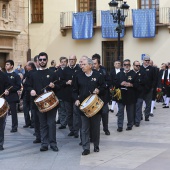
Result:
pixel 3 86
pixel 13 98
pixel 86 83
pixel 125 81
pixel 167 86
pixel 105 97
pixel 150 85
pixel 40 79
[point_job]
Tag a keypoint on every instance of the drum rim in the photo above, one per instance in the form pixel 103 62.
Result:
pixel 96 96
pixel 43 94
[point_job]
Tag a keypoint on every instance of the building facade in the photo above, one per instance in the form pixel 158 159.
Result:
pixel 13 32
pixel 50 30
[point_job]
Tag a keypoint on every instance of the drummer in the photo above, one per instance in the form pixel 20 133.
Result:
pixel 86 83
pixel 40 79
pixel 3 85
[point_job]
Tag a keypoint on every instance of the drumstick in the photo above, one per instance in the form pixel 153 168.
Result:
pixel 4 92
pixel 48 85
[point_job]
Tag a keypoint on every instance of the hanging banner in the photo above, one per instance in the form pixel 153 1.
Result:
pixel 144 23
pixel 108 26
pixel 82 25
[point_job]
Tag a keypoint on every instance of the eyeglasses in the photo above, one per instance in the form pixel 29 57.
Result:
pixel 126 64
pixel 42 59
pixel 147 60
pixel 72 59
pixel 137 65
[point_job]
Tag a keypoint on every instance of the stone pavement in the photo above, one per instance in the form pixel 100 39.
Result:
pixel 144 148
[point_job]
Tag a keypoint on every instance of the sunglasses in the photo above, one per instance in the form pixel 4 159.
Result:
pixel 42 59
pixel 126 64
pixel 147 60
pixel 137 65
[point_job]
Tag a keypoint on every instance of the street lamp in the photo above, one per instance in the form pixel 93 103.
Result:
pixel 119 12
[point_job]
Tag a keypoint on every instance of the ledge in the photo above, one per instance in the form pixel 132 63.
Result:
pixel 8 33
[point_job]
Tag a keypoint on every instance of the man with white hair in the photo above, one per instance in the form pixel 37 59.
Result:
pixel 86 83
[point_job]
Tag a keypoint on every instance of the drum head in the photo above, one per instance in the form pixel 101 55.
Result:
pixel 87 101
pixel 43 96
pixel 2 101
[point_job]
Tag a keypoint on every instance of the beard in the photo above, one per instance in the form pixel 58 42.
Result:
pixel 43 65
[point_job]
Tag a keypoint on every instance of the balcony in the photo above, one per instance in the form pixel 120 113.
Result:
pixel 162 18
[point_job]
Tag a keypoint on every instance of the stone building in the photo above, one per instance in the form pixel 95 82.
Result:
pixel 51 31
pixel 13 32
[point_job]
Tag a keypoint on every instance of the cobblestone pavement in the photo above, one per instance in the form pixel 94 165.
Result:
pixel 144 148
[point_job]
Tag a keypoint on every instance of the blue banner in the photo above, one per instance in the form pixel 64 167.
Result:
pixel 144 22
pixel 108 26
pixel 82 25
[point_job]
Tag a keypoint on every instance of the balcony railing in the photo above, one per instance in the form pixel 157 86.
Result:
pixel 162 19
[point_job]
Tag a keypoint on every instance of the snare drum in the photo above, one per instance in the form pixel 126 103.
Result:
pixel 91 105
pixel 4 107
pixel 46 102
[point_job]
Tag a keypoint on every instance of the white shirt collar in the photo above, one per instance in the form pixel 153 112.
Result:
pixel 88 75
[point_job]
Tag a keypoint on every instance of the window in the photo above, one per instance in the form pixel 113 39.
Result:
pixel 87 5
pixel 109 53
pixel 4 11
pixel 147 4
pixel 37 11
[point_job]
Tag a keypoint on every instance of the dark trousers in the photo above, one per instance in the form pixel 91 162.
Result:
pixel 35 112
pixel 130 115
pixel 2 128
pixel 13 109
pixel 90 125
pixel 48 127
pixel 105 116
pixel 73 117
pixel 138 110
pixel 148 100
pixel 62 114
pixel 26 108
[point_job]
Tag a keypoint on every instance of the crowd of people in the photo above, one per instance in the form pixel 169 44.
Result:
pixel 129 86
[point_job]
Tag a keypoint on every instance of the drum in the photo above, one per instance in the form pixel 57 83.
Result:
pixel 46 102
pixel 4 107
pixel 91 105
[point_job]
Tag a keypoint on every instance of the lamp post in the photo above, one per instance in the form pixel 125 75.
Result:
pixel 119 12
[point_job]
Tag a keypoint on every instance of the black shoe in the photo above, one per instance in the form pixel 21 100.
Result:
pixel 129 128
pixel 111 110
pixel 80 143
pixel 151 115
pixel 26 126
pixel 43 148
pixel 120 129
pixel 163 104
pixel 37 141
pixel 141 117
pixel 31 127
pixel 1 148
pixel 62 127
pixel 13 130
pixel 154 107
pixel 86 152
pixel 96 149
pixel 57 122
pixel 165 107
pixel 71 134
pixel 76 135
pixel 147 118
pixel 117 114
pixel 137 124
pixel 54 148
pixel 107 132
pixel 33 134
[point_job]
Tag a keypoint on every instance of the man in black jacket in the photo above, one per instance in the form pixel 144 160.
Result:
pixel 72 115
pixel 149 86
pixel 125 81
pixel 105 97
pixel 13 98
pixel 3 86
pixel 40 79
